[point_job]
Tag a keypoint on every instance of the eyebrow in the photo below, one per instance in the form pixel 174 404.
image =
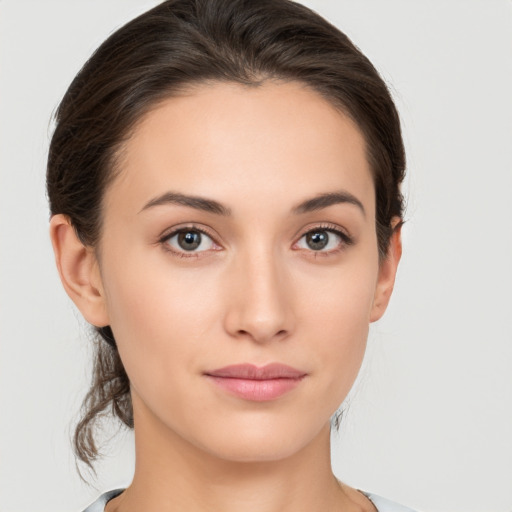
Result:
pixel 328 199
pixel 199 203
pixel 318 202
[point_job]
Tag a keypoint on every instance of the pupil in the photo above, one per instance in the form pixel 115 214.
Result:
pixel 189 240
pixel 317 240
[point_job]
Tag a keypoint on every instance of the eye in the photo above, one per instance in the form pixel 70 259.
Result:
pixel 324 240
pixel 188 240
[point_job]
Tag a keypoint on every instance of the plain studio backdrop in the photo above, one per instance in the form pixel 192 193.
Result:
pixel 430 421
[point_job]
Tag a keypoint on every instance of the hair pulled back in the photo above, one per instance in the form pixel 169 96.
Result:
pixel 177 44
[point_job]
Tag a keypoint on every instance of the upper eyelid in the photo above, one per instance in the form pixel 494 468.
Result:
pixel 326 226
pixel 168 233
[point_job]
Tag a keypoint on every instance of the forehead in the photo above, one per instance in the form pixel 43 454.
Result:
pixel 279 140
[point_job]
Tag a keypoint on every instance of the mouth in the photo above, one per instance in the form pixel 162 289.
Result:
pixel 257 384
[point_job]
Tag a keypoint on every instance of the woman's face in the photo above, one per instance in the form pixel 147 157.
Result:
pixel 241 230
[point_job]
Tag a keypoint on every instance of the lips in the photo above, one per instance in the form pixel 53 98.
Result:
pixel 254 383
pixel 250 371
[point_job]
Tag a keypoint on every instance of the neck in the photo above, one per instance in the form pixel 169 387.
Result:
pixel 173 475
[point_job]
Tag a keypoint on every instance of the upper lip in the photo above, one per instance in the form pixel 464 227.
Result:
pixel 253 372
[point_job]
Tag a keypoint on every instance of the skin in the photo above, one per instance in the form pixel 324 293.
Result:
pixel 253 292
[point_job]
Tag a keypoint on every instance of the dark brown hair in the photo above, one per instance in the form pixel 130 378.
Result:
pixel 177 44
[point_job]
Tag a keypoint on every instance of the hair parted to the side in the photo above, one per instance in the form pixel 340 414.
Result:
pixel 175 45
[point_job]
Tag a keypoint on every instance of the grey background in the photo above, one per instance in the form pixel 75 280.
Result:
pixel 430 420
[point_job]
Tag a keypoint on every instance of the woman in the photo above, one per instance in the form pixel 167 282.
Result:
pixel 224 182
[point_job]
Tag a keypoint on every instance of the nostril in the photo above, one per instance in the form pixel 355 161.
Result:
pixel 260 336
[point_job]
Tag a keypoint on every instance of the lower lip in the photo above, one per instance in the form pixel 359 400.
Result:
pixel 256 390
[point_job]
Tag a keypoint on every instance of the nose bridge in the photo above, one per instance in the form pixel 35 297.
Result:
pixel 260 305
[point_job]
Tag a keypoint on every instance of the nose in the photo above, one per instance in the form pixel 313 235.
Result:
pixel 260 298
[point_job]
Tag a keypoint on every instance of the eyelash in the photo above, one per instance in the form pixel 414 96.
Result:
pixel 346 240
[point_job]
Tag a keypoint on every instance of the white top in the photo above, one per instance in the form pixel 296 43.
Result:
pixel 381 504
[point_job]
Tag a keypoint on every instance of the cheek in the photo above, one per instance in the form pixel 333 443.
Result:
pixel 338 318
pixel 161 318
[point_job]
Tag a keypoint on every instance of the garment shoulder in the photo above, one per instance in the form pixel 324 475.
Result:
pixel 382 504
pixel 99 504
pixel 385 505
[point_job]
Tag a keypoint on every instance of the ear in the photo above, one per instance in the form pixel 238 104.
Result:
pixel 387 272
pixel 79 271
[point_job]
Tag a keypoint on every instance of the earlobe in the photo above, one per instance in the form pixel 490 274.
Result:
pixel 79 271
pixel 387 273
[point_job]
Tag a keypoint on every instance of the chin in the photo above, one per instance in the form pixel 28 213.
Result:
pixel 267 442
